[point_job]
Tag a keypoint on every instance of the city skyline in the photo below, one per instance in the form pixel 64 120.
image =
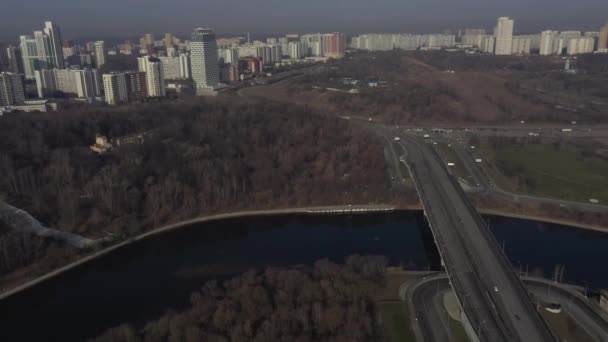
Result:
pixel 356 16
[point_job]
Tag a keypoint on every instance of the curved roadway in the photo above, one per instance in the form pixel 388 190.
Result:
pixel 430 322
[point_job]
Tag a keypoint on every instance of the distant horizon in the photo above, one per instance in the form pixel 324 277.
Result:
pixel 260 34
pixel 117 19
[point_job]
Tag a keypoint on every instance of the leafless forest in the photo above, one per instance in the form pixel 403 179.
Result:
pixel 328 303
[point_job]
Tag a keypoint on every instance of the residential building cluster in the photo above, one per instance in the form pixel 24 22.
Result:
pixel 501 42
pixel 385 42
pixel 45 64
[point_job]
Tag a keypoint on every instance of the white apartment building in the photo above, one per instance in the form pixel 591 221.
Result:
pixel 504 36
pixel 185 71
pixel 296 50
pixel 83 83
pixel 549 43
pixel 155 76
pixel 115 88
pixel 577 46
pixel 487 44
pixel 171 68
pixel 521 45
pixel 100 53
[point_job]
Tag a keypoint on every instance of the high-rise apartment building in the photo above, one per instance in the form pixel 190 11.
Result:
pixel 171 67
pixel 549 43
pixel 100 53
pixel 577 46
pixel 488 43
pixel 603 39
pixel 296 50
pixel 29 54
pixel 84 83
pixel 68 49
pixel 334 45
pixel 43 51
pixel 136 85
pixel 12 91
pixel 147 42
pixel 504 36
pixel 185 71
pixel 115 88
pixel 155 76
pixel 55 45
pixel 15 60
pixel 521 45
pixel 204 60
pixel 168 40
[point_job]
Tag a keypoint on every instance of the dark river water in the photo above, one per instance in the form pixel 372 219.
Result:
pixel 140 282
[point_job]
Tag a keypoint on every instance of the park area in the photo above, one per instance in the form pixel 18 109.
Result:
pixel 562 170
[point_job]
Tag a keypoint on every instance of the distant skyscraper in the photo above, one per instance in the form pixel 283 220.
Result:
pixel 29 54
pixel 115 88
pixel 155 80
pixel 603 40
pixel 504 36
pixel 55 44
pixel 204 60
pixel 15 60
pixel 12 91
pixel 44 51
pixel 147 42
pixel 100 53
pixel 168 40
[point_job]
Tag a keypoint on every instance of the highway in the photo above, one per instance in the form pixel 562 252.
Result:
pixel 430 322
pixel 494 300
pixel 574 304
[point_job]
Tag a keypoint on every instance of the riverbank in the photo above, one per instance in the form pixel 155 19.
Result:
pixel 330 210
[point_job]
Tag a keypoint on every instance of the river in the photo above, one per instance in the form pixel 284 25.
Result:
pixel 140 282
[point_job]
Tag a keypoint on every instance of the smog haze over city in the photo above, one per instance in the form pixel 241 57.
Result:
pixel 118 18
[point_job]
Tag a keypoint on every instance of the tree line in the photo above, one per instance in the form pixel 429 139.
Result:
pixel 329 302
pixel 205 156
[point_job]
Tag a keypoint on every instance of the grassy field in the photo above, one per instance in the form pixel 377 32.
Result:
pixel 546 170
pixel 458 331
pixel 396 320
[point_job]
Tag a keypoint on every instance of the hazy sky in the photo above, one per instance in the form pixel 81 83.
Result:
pixel 119 18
